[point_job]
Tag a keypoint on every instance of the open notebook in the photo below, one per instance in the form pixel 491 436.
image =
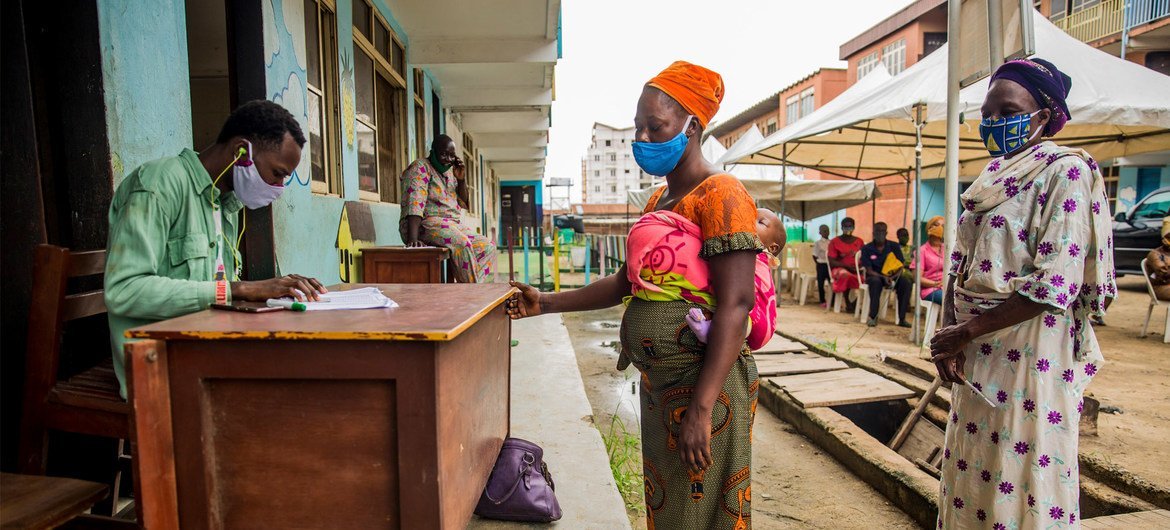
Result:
pixel 364 298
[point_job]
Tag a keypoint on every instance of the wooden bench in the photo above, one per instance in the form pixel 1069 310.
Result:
pixel 35 502
pixel 405 265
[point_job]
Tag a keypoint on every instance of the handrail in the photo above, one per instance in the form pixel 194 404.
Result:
pixel 1139 12
pixel 1096 22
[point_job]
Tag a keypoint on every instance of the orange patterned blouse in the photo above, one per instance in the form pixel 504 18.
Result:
pixel 724 211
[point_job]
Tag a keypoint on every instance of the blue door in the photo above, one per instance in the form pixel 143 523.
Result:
pixel 1148 180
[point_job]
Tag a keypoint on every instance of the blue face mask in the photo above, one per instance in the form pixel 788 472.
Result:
pixel 1006 135
pixel 658 159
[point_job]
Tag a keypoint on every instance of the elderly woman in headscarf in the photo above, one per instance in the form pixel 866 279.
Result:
pixel 1033 261
pixel 698 400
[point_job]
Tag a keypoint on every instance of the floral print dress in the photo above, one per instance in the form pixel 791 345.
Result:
pixel 1038 226
pixel 431 195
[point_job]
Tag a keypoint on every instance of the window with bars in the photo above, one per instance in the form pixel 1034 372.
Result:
pixel 770 126
pixel 894 56
pixel 321 103
pixel 471 174
pixel 379 104
pixel 867 64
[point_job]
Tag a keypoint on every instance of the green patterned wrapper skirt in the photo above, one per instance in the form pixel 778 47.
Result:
pixel 656 339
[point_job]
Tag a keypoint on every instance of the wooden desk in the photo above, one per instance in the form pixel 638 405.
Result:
pixel 404 265
pixel 35 502
pixel 383 418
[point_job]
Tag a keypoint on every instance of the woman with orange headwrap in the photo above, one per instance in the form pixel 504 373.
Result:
pixel 698 400
pixel 931 254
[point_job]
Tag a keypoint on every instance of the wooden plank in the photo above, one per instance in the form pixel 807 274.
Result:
pixel 780 344
pixel 1136 520
pixel 840 387
pixel 31 501
pixel 153 450
pixel 796 363
pixel 924 442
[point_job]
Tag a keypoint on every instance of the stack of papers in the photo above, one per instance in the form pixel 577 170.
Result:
pixel 364 298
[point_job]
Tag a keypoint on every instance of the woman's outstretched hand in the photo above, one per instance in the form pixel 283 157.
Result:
pixel 524 304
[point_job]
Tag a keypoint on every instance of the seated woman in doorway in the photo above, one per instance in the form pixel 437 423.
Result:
pixel 842 266
pixel 930 254
pixel 433 189
pixel 665 252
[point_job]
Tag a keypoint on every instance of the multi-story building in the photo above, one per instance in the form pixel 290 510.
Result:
pixel 784 107
pixel 609 170
pixel 1137 31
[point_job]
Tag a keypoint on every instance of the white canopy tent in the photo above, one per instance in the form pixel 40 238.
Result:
pixel 1118 109
pixel 803 200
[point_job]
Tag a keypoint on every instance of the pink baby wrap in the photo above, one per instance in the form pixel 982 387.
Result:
pixel 663 264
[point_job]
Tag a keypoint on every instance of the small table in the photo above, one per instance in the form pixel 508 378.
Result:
pixel 403 264
pixel 378 418
pixel 35 502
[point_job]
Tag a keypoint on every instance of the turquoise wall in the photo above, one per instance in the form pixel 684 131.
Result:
pixel 306 224
pixel 144 68
pixel 1127 184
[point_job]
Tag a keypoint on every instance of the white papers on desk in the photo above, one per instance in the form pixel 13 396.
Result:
pixel 364 298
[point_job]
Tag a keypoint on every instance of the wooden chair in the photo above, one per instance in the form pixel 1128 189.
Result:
pixel 1153 302
pixel 87 403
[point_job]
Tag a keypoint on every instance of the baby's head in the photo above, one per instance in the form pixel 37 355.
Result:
pixel 771 231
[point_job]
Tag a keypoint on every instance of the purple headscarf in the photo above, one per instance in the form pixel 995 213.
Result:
pixel 1048 85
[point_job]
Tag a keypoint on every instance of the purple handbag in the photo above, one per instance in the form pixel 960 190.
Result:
pixel 520 487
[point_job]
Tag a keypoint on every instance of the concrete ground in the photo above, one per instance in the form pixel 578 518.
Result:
pixel 794 483
pixel 550 408
pixel 1134 381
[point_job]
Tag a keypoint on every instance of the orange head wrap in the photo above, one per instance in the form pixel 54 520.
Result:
pixel 697 89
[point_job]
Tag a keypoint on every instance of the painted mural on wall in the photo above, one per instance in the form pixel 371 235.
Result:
pixel 347 98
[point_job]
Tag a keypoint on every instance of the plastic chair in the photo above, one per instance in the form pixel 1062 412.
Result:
pixel 806 268
pixel 1154 302
pixel 932 320
pixel 862 306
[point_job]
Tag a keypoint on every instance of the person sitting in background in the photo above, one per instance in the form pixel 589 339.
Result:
pixel 931 254
pixel 1158 264
pixel 433 189
pixel 908 252
pixel 820 252
pixel 883 273
pixel 842 267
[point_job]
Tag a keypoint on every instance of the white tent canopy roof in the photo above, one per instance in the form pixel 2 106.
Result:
pixel 1118 108
pixel 804 200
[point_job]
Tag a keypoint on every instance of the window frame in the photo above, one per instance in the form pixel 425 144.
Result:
pixel 327 88
pixel 867 63
pixel 791 109
pixel 420 114
pixel 471 177
pixel 383 67
pixel 894 52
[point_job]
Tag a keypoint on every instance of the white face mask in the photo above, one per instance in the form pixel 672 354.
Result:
pixel 250 188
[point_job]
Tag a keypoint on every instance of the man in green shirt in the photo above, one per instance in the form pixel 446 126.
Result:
pixel 174 236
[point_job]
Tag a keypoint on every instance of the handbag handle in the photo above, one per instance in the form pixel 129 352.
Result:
pixel 528 460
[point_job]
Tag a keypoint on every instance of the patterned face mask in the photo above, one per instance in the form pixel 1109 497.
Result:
pixel 1004 136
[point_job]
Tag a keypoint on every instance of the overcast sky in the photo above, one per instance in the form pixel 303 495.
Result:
pixel 612 47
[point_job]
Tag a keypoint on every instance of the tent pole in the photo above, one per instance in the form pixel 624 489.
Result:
pixel 915 330
pixel 951 185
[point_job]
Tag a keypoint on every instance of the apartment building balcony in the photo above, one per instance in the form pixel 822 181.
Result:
pixel 1109 18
